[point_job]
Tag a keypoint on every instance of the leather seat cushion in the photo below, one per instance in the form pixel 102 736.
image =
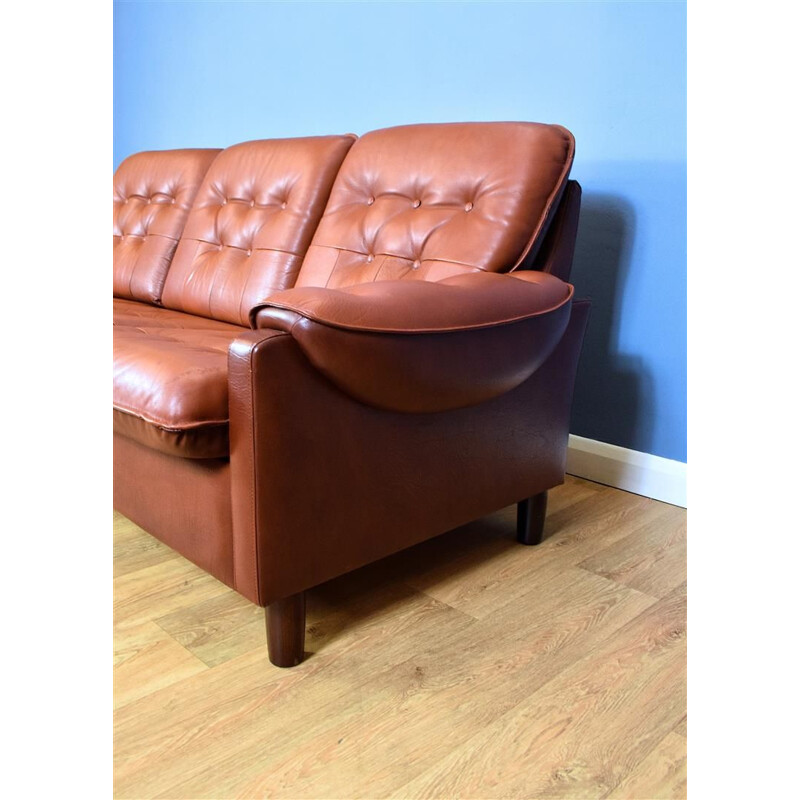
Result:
pixel 171 380
pixel 129 313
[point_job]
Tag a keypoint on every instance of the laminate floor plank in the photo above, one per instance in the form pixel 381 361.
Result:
pixel 158 590
pixel 661 774
pixel 466 666
pixel 652 560
pixel 413 715
pixel 150 665
pixel 587 730
pixel 487 575
pixel 218 629
pixel 132 551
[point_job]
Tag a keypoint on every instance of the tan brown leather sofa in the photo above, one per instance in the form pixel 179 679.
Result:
pixel 329 349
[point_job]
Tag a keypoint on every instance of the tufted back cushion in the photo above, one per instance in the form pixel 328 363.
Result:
pixel 431 201
pixel 251 224
pixel 153 193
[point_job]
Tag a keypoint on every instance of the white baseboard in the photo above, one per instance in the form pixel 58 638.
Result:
pixel 640 473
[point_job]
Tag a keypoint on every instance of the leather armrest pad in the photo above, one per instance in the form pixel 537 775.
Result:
pixel 420 346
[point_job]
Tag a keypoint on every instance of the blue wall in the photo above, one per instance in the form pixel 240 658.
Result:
pixel 212 74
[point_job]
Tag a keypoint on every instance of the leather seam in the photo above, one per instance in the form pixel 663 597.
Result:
pixel 341 250
pixel 254 439
pixel 332 270
pixel 253 468
pixel 426 331
pixel 556 194
pixel 170 427
pixel 243 249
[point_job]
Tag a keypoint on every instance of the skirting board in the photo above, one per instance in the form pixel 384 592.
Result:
pixel 640 473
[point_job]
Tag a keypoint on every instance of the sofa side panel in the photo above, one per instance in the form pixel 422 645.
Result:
pixel 323 484
pixel 183 502
pixel 558 248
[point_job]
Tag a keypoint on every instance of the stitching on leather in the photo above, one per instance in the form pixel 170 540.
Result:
pixel 333 266
pixel 558 190
pixel 244 317
pixel 427 331
pixel 544 218
pixel 244 249
pixel 166 426
pixel 251 450
pixel 341 250
pixel 164 236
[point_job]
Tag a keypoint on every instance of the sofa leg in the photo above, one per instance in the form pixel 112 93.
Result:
pixel 530 519
pixel 286 630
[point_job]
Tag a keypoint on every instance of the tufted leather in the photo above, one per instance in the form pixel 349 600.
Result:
pixel 431 201
pixel 171 381
pixel 417 346
pixel 251 224
pixel 153 193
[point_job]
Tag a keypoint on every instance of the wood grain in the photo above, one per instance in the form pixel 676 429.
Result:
pixel 165 587
pixel 583 732
pixel 132 551
pixel 218 629
pixel 155 660
pixel 661 774
pixel 467 666
pixel 652 559
pixel 485 575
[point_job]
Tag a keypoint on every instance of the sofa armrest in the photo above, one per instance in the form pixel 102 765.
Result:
pixel 417 346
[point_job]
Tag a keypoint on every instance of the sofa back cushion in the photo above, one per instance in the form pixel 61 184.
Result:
pixel 251 224
pixel 430 201
pixel 153 193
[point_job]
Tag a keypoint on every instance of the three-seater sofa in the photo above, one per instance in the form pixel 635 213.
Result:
pixel 328 349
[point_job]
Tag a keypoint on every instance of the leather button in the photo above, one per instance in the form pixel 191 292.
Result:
pixel 249 252
pixel 224 201
pixel 370 200
pixel 172 201
pixel 283 204
pixel 370 257
pixel 417 203
pixel 252 203
pixel 416 264
pixel 468 207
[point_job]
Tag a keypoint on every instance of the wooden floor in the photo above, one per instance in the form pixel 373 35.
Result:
pixel 469 666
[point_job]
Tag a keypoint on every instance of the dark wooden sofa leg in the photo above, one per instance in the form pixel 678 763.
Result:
pixel 530 519
pixel 286 630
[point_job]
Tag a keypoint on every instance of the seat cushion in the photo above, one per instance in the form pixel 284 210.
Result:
pixel 153 193
pixel 426 202
pixel 129 313
pixel 171 380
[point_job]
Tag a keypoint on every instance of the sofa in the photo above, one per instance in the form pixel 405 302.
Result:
pixel 328 349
